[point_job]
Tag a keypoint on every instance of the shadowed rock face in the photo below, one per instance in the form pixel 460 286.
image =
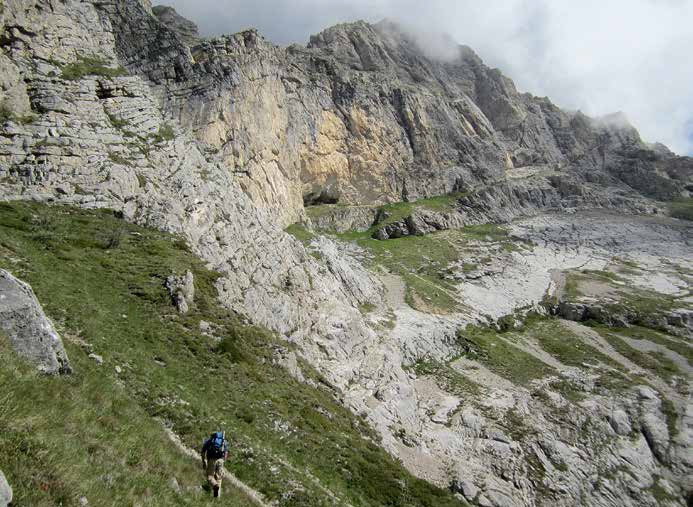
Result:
pixel 186 30
pixel 30 332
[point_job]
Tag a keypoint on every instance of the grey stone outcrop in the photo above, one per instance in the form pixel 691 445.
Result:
pixel 182 290
pixel 30 332
pixel 5 491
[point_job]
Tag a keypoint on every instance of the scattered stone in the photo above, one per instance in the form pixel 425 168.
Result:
pixel 465 487
pixel 484 501
pixel 83 501
pixel 620 423
pixel 118 369
pixel 173 484
pixel 30 332
pixel 96 357
pixel 182 290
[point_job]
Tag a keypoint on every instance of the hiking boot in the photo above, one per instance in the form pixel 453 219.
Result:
pixel 217 491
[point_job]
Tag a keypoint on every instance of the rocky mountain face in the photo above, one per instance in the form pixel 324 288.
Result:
pixel 228 140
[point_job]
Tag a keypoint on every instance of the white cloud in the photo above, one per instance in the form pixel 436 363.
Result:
pixel 599 56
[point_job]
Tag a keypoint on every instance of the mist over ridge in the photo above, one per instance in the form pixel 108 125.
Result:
pixel 598 57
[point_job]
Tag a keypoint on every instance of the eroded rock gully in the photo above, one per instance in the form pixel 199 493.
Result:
pixel 223 140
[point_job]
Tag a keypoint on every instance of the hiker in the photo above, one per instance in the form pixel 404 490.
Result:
pixel 214 452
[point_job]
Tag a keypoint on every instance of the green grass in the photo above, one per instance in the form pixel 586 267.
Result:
pixel 570 350
pixel 682 208
pixel 114 299
pixel 83 435
pixel 486 232
pixel 447 378
pixel 299 232
pixel 501 357
pixel 424 262
pixel 672 343
pixel 602 275
pixel 90 66
pixel 659 364
pixel 165 133
pixel 399 210
pixel 565 346
pixel 321 210
pixel 642 306
pixel 116 158
pixel 646 303
pixel 496 350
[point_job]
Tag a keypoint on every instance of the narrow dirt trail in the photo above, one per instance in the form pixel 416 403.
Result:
pixel 255 496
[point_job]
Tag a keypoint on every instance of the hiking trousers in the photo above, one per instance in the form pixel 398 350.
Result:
pixel 215 469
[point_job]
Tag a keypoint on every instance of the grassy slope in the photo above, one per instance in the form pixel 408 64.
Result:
pixel 682 208
pixel 98 424
pixel 64 438
pixel 424 262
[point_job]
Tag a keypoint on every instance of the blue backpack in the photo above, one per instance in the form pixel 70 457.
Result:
pixel 217 445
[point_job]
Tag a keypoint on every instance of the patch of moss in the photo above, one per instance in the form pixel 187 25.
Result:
pixel 141 180
pixel 661 496
pixel 116 122
pixel 300 232
pixel 516 425
pixel 671 416
pixel 165 133
pixel 6 114
pixel 90 66
pixel 117 158
pixel 366 308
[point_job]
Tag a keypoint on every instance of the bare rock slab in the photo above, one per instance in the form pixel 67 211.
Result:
pixel 30 332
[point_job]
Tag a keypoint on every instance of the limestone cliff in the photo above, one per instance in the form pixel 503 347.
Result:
pixel 361 115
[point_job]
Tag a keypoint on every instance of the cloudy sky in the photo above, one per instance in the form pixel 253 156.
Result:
pixel 599 56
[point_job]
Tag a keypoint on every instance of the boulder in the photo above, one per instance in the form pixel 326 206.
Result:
pixel 30 332
pixel 465 487
pixel 182 290
pixel 5 491
pixel 619 422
